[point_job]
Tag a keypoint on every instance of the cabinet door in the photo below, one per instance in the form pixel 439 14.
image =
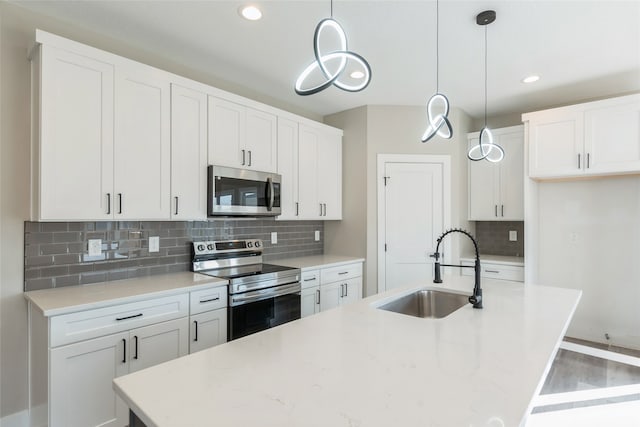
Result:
pixel 483 188
pixel 208 329
pixel 226 133
pixel 288 167
pixel 154 344
pixel 76 137
pixel 612 137
pixel 330 295
pixel 260 140
pixel 143 144
pixel 511 179
pixel 310 301
pixel 188 154
pixel 556 144
pixel 309 207
pixel 81 391
pixel 330 175
pixel 352 291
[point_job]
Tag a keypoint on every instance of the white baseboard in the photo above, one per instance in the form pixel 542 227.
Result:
pixel 19 419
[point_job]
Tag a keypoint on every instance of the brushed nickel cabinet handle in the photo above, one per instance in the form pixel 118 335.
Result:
pixel 176 206
pixel 108 203
pixel 242 157
pixel 579 161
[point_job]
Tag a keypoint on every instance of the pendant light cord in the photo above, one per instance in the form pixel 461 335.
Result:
pixel 437 46
pixel 331 9
pixel 485 75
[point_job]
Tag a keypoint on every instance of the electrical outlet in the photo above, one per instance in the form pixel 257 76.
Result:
pixel 513 236
pixel 274 238
pixel 94 247
pixel 317 235
pixel 154 244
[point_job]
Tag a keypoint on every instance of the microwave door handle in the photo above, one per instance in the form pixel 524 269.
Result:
pixel 270 194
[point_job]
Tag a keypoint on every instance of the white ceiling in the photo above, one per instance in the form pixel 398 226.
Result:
pixel 582 49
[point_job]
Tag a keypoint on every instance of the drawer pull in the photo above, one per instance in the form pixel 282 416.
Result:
pixel 492 271
pixel 309 280
pixel 344 272
pixel 129 317
pixel 209 300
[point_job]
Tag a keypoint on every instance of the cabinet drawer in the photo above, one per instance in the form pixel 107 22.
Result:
pixel 343 272
pixel 208 299
pixel 496 271
pixel 310 278
pixel 83 325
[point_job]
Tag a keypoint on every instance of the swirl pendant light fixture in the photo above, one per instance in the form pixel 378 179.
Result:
pixel 342 54
pixel 438 123
pixel 486 148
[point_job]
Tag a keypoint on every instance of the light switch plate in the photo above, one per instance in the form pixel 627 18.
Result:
pixel 513 236
pixel 274 238
pixel 94 247
pixel 154 244
pixel 317 235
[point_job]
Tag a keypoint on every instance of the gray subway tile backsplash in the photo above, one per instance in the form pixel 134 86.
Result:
pixel 56 253
pixel 493 237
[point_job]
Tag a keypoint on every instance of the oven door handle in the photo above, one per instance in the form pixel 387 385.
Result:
pixel 263 294
pixel 270 195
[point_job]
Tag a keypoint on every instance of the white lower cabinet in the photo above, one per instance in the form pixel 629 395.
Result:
pixel 310 293
pixel 208 318
pixel 489 270
pixel 330 287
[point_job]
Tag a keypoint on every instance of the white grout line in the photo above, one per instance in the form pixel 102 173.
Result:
pixel 602 354
pixel 583 395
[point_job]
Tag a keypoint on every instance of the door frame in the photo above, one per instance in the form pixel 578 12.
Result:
pixel 445 162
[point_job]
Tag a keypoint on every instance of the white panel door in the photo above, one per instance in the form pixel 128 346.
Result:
pixel 511 180
pixel 76 136
pixel 81 390
pixel 309 301
pixel 154 344
pixel 330 175
pixel 226 133
pixel 188 154
pixel 288 167
pixel 330 295
pixel 261 140
pixel 556 144
pixel 309 207
pixel 208 329
pixel 414 203
pixel 143 144
pixel 483 188
pixel 612 137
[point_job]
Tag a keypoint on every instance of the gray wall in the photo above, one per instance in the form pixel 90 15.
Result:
pixel 56 253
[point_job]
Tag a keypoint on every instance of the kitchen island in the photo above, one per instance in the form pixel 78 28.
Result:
pixel 358 365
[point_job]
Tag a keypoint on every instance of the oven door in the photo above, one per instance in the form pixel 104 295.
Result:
pixel 240 192
pixel 256 311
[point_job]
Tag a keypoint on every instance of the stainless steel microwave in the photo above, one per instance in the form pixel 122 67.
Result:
pixel 242 192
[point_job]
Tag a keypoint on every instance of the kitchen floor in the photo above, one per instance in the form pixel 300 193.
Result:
pixel 590 385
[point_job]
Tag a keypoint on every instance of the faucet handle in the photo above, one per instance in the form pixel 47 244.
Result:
pixel 435 255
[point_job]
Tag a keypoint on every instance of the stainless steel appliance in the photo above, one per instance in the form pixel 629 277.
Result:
pixel 241 192
pixel 261 295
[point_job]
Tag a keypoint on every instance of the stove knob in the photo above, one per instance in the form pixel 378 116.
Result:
pixel 210 246
pixel 250 244
pixel 257 244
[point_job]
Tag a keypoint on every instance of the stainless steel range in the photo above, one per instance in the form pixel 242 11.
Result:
pixel 261 295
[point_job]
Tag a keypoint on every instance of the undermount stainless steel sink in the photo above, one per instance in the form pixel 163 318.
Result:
pixel 427 303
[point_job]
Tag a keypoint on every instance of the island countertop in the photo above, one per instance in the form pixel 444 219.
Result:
pixel 358 365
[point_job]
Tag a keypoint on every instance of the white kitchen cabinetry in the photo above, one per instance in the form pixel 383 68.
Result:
pixel 340 285
pixel 595 138
pixel 88 349
pixel 241 137
pixel 188 153
pixel 288 168
pixel 496 190
pixel 494 270
pixel 319 174
pixel 310 294
pixel 208 318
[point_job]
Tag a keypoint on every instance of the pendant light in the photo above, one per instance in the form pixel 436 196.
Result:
pixel 343 55
pixel 438 123
pixel 486 148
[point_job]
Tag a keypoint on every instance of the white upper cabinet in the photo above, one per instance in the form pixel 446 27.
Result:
pixel 142 143
pixel 288 167
pixel 595 138
pixel 496 189
pixel 73 156
pixel 241 137
pixel 329 156
pixel 188 154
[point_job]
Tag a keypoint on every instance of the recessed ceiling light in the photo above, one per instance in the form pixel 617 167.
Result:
pixel 357 75
pixel 252 13
pixel 531 79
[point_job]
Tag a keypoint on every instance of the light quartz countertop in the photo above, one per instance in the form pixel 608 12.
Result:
pixel 496 259
pixel 357 365
pixel 70 299
pixel 317 261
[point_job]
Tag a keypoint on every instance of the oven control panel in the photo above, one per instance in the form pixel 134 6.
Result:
pixel 211 247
